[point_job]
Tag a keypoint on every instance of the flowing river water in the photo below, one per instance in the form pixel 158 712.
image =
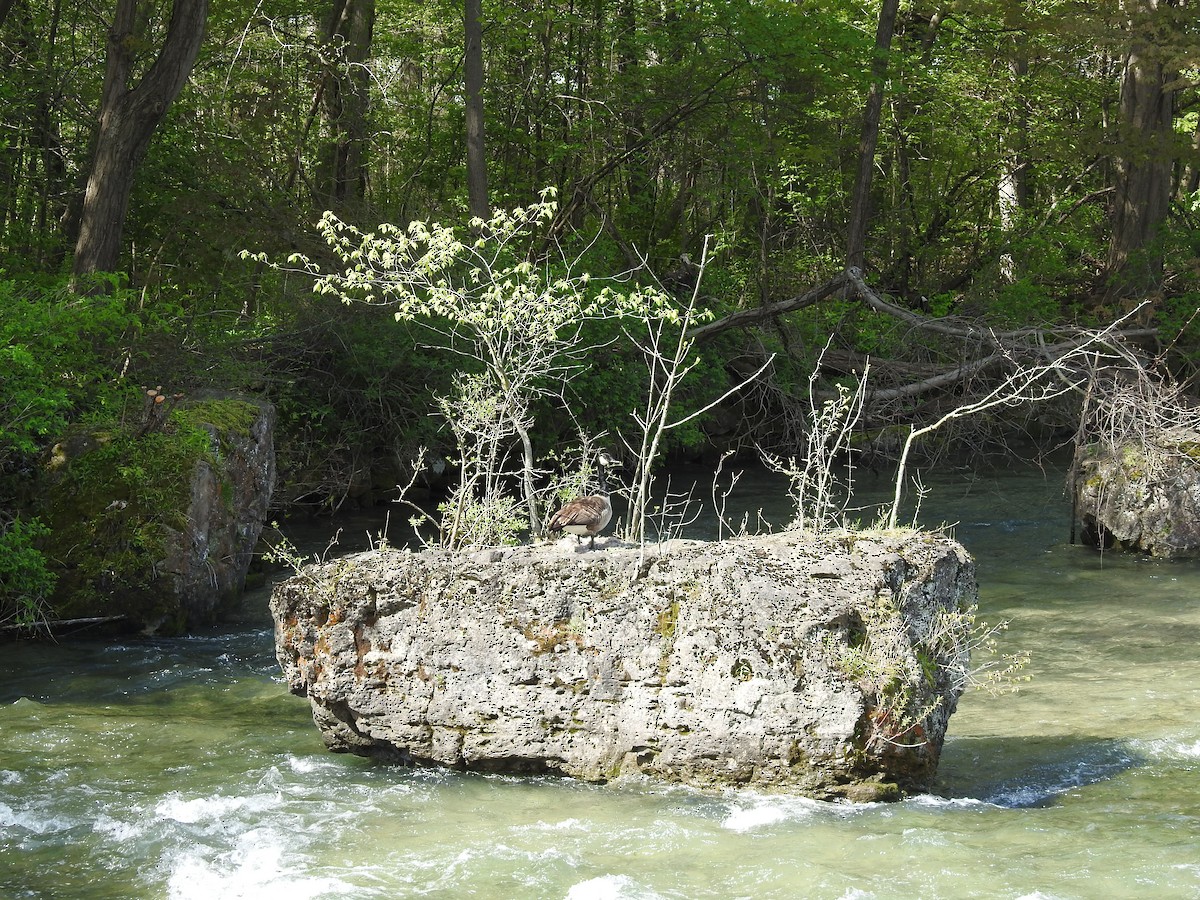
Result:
pixel 183 768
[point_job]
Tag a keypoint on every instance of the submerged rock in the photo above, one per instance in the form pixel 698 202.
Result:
pixel 826 665
pixel 1143 497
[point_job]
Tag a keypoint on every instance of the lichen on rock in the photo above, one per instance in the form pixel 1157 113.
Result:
pixel 1143 497
pixel 822 665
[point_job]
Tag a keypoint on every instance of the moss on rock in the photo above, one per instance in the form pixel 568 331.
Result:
pixel 121 507
pixel 1142 497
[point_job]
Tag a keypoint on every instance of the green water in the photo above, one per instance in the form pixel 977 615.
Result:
pixel 183 769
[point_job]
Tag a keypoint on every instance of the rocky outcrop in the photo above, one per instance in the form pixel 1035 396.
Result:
pixel 1143 497
pixel 828 666
pixel 154 529
pixel 208 557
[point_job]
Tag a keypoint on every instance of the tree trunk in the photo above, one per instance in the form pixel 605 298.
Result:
pixel 638 185
pixel 128 120
pixel 53 154
pixel 477 179
pixel 1013 189
pixel 860 205
pixel 346 101
pixel 1191 181
pixel 11 149
pixel 905 264
pixel 1142 178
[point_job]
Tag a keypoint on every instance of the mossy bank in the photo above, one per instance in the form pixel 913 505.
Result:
pixel 153 525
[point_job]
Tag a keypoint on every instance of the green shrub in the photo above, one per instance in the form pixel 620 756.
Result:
pixel 67 357
pixel 60 356
pixel 25 581
pixel 114 498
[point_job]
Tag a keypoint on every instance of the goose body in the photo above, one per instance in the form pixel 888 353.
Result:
pixel 587 515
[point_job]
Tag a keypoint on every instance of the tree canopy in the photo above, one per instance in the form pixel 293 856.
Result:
pixel 1027 163
pixel 929 191
pixel 1059 137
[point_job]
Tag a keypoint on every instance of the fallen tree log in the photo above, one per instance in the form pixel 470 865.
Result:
pixel 981 349
pixel 744 317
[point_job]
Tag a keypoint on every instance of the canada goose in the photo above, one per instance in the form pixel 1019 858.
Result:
pixel 587 515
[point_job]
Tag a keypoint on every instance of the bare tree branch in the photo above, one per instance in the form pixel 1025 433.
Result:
pixel 759 313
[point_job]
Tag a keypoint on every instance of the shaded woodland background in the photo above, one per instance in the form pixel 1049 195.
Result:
pixel 997 164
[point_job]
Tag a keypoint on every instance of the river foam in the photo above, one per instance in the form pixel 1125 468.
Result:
pixel 1167 749
pixel 257 867
pixel 610 887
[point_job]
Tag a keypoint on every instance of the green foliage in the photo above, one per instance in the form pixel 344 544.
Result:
pixel 868 331
pixel 32 406
pixel 1024 302
pixel 657 124
pixel 60 353
pixel 114 498
pixel 472 521
pixel 517 321
pixel 1179 324
pixel 62 357
pixel 519 327
pixel 228 415
pixel 611 385
pixel 352 389
pixel 25 580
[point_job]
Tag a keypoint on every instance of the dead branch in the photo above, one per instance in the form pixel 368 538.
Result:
pixel 769 311
pixel 950 326
pixel 1066 370
pixel 1006 344
pixel 943 380
pixel 1049 353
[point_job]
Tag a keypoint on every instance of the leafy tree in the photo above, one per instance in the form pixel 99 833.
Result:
pixel 345 95
pixel 25 579
pixel 129 116
pixel 1011 179
pixel 477 180
pixel 516 323
pixel 856 239
pixel 1146 149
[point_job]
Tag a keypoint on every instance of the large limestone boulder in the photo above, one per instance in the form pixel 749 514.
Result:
pixel 1143 497
pixel 828 666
